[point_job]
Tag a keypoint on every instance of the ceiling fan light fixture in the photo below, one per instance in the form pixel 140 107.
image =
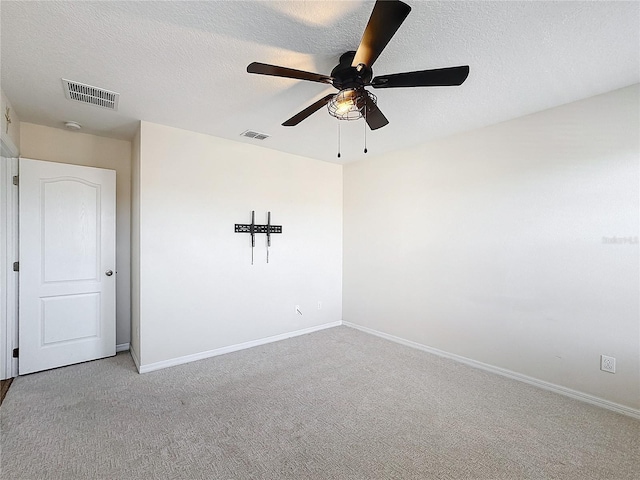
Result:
pixel 354 72
pixel 349 104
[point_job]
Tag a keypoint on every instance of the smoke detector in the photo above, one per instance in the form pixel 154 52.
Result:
pixel 75 126
pixel 96 96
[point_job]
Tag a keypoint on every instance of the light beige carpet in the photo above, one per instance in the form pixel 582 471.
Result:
pixel 336 404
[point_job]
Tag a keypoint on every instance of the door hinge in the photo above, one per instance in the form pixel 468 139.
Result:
pixel 16 352
pixel 16 180
pixel 16 266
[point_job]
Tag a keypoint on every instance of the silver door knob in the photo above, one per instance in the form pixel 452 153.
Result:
pixel 108 273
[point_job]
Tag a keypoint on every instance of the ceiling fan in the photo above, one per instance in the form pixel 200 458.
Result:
pixel 354 72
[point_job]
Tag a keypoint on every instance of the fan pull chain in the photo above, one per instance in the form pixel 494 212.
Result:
pixel 338 139
pixel 365 128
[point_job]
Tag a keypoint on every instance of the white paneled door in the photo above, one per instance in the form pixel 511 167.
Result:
pixel 67 264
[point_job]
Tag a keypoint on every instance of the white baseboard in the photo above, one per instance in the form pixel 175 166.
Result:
pixel 232 348
pixel 136 359
pixel 122 347
pixel 585 397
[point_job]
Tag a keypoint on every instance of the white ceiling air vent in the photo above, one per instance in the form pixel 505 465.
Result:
pixel 256 135
pixel 91 95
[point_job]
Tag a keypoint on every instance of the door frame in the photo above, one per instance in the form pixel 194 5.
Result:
pixel 8 254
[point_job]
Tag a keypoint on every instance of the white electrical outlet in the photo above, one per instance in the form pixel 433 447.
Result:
pixel 607 364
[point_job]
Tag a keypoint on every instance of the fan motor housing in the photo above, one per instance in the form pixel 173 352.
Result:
pixel 346 76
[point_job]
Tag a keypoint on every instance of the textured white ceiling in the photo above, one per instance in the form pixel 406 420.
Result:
pixel 183 64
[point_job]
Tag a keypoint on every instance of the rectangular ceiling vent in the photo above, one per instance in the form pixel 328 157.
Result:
pixel 91 95
pixel 256 135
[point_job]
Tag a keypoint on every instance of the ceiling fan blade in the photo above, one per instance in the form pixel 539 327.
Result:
pixel 441 77
pixel 265 69
pixel 375 118
pixel 386 18
pixel 314 107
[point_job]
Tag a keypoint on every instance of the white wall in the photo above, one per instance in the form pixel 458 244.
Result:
pixel 489 245
pixel 135 246
pixel 198 289
pixel 57 145
pixel 12 133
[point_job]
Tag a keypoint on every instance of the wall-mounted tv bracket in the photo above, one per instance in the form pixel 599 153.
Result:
pixel 252 228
